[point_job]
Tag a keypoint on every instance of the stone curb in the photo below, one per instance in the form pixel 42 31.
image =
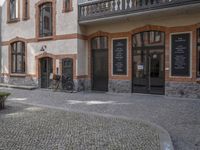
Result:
pixel 165 139
pixel 18 86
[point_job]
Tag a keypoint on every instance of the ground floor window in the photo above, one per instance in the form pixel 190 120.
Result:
pixel 18 57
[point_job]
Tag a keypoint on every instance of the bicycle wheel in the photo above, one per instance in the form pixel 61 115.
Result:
pixel 55 85
pixel 69 86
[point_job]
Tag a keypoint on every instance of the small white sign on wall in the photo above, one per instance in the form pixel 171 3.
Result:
pixel 140 67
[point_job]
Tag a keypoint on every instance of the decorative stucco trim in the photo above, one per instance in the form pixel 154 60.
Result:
pixel 57 37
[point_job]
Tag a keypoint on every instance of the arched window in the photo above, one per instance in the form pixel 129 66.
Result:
pixel 46 21
pixel 198 52
pixel 18 57
pixel 149 38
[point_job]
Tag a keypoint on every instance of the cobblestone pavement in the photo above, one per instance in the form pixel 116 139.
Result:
pixel 180 117
pixel 27 127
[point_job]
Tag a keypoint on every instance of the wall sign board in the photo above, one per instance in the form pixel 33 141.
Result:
pixel 120 56
pixel 180 54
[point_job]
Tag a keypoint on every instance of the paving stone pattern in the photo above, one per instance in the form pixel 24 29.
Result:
pixel 180 117
pixel 26 127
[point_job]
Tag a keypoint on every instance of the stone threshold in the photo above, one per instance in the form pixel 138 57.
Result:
pixel 24 87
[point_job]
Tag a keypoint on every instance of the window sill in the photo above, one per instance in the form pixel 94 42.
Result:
pixel 13 20
pixel 17 75
pixel 67 10
pixel 45 38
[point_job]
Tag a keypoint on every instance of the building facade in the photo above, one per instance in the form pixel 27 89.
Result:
pixel 134 46
pixel 41 37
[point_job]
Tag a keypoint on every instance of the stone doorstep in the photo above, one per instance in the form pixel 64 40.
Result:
pixel 18 86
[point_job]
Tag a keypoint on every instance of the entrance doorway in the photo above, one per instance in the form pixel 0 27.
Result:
pixel 148 63
pixel 99 64
pixel 46 70
pixel 67 71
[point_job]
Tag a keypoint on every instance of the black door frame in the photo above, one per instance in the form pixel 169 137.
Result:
pixel 147 48
pixel 92 67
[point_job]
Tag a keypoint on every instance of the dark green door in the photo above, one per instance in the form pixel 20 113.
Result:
pixel 67 71
pixel 100 70
pixel 46 70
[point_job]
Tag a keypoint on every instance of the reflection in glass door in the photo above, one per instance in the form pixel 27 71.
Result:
pixel 156 71
pixel 148 63
pixel 140 72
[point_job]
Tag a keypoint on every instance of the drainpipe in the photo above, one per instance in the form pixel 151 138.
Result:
pixel 0 43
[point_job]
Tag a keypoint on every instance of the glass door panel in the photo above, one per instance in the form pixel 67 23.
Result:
pixel 140 71
pixel 148 71
pixel 156 71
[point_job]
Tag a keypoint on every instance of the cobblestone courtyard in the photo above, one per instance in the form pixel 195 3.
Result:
pixel 180 117
pixel 27 127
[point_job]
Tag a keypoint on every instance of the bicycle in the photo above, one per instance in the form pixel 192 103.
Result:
pixel 67 83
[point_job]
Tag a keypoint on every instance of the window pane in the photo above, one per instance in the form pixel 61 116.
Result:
pixel 150 38
pixel 26 9
pixel 137 40
pixel 18 57
pixel 103 42
pixel 13 63
pixel 19 47
pixel 100 43
pixel 19 64
pixel 156 38
pixel 46 20
pixel 67 3
pixel 14 48
pixel 13 9
pixel 198 35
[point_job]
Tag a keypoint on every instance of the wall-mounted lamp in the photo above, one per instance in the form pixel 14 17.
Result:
pixel 43 48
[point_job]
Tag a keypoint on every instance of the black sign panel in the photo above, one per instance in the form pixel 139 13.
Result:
pixel 181 54
pixel 120 57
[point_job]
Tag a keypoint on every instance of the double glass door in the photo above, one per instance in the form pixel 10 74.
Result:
pixel 148 71
pixel 148 62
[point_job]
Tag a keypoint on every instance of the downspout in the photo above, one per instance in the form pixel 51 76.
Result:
pixel 0 44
